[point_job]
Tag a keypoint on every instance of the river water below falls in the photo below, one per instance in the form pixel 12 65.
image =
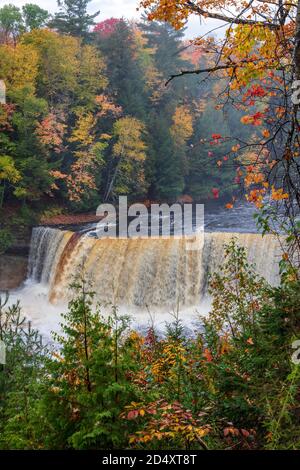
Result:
pixel 139 275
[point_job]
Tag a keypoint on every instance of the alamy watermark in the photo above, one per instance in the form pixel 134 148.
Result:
pixel 296 92
pixel 157 221
pixel 2 353
pixel 2 92
pixel 296 354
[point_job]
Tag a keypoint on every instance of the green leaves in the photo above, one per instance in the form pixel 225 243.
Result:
pixel 8 171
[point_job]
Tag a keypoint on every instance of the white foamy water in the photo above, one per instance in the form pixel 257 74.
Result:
pixel 46 316
pixel 139 275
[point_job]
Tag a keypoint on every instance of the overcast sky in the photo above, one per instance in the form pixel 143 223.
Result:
pixel 118 9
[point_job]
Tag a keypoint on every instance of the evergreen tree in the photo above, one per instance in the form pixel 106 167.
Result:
pixel 87 387
pixel 73 18
pixel 168 182
pixel 25 356
pixel 126 80
pixel 167 162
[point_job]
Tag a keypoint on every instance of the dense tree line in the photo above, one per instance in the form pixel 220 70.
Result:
pixel 88 116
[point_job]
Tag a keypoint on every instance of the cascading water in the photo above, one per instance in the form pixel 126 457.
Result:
pixel 140 272
pixel 46 247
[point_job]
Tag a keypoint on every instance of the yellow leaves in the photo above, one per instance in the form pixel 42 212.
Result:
pixel 105 136
pixel 58 63
pixel 19 66
pixel 91 67
pixel 165 367
pixel 253 178
pixel 83 132
pixel 8 170
pixel 202 432
pixel 235 148
pixel 129 132
pixel 278 194
pixel 225 346
pixel 182 128
pixel 66 66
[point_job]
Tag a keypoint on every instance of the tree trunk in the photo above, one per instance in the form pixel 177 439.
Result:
pixel 297 44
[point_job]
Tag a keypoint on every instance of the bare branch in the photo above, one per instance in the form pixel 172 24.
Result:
pixel 233 20
pixel 216 68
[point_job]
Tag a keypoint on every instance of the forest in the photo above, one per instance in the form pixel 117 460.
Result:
pixel 95 110
pixel 88 117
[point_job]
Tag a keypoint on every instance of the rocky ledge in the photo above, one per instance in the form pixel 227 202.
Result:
pixel 13 271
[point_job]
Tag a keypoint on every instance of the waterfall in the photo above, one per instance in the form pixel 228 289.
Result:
pixel 46 247
pixel 140 272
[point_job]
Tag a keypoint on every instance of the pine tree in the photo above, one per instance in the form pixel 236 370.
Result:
pixel 126 80
pixel 168 181
pixel 73 18
pixel 87 386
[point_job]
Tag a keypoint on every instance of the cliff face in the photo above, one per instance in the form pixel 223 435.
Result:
pixel 13 271
pixel 13 264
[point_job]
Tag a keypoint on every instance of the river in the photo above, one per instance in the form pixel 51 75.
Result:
pixel 139 275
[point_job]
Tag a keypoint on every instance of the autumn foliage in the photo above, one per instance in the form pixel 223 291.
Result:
pixel 220 385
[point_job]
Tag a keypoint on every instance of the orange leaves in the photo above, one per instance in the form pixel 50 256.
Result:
pixel 278 194
pixel 253 178
pixel 51 132
pixel 255 119
pixel 235 148
pixel 256 196
pixel 80 180
pixel 266 133
pixel 166 421
pixel 231 431
pixel 57 175
pixel 246 119
pixel 107 106
pixel 280 112
pixel 207 355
